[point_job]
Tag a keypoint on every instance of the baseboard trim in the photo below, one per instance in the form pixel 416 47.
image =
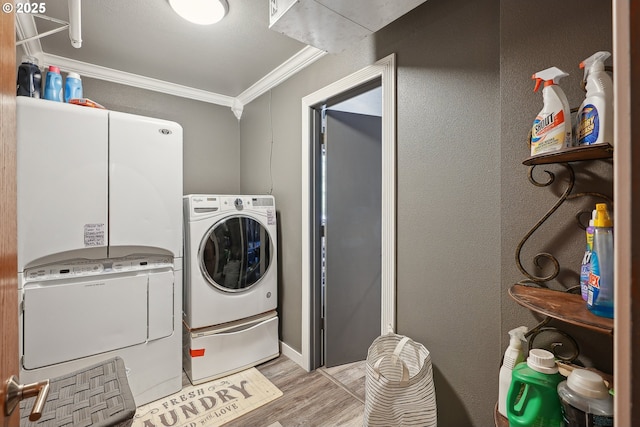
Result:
pixel 292 354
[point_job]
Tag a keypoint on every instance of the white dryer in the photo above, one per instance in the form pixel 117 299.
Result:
pixel 230 258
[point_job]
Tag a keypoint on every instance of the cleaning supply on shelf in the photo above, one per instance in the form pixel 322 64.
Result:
pixel 585 268
pixel 53 84
pixel 29 78
pixel 600 297
pixel 512 356
pixel 595 115
pixel 533 399
pixel 72 87
pixel 551 129
pixel 585 400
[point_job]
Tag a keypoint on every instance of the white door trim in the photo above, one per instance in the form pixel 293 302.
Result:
pixel 385 70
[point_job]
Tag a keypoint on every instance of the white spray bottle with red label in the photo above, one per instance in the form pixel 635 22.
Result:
pixel 595 116
pixel 551 129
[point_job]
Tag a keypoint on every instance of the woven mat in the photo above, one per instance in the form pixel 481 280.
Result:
pixel 210 404
pixel 96 396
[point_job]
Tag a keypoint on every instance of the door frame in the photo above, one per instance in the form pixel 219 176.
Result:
pixel 8 217
pixel 385 70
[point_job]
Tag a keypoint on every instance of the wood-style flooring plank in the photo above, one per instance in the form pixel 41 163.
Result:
pixel 309 399
pixel 351 376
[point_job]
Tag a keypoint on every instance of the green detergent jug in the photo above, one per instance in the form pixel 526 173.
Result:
pixel 533 399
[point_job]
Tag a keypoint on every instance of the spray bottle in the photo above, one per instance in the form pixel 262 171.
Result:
pixel 600 298
pixel 512 356
pixel 551 129
pixel 595 115
pixel 585 268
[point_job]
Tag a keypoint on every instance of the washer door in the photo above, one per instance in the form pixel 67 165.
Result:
pixel 235 253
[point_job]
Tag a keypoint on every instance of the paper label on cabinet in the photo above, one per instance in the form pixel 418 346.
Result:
pixel 93 235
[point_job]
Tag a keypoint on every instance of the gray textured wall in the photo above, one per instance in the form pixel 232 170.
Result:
pixel 211 146
pixel 583 28
pixel 465 105
pixel 448 179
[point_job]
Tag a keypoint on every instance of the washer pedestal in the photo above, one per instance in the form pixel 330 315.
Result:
pixel 221 350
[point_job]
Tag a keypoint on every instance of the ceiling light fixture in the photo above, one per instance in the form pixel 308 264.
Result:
pixel 201 12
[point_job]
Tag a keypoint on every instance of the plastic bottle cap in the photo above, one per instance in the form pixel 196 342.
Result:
pixel 542 361
pixel 30 59
pixel 587 384
pixel 54 69
pixel 73 75
pixel 602 216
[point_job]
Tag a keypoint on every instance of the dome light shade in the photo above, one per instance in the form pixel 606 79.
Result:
pixel 201 12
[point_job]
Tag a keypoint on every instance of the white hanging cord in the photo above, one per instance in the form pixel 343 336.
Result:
pixel 271 146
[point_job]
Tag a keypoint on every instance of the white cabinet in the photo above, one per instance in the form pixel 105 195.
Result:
pixel 145 184
pixel 61 169
pixel 95 183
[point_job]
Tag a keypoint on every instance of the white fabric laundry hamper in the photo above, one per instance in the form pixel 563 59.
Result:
pixel 399 389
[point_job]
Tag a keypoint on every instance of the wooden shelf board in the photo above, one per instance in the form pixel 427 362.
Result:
pixel 570 308
pixel 572 154
pixel 499 419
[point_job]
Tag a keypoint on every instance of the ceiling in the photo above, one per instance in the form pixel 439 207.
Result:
pixel 143 43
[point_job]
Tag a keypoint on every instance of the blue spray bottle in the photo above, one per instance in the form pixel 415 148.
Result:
pixel 585 268
pixel 600 297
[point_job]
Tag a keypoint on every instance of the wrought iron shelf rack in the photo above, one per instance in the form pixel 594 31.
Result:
pixel 564 306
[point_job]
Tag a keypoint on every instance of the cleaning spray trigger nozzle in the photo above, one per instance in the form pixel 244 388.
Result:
pixel 594 63
pixel 517 336
pixel 550 76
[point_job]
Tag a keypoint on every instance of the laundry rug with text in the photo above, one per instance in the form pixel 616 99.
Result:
pixel 209 404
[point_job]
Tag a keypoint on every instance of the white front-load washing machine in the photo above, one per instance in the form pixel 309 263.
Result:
pixel 230 284
pixel 230 258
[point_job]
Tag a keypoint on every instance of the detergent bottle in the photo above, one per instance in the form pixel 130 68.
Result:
pixel 512 356
pixel 72 87
pixel 53 84
pixel 29 78
pixel 533 399
pixel 595 115
pixel 585 400
pixel 600 297
pixel 551 129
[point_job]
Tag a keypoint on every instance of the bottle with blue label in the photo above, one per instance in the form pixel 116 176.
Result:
pixel 53 84
pixel 595 115
pixel 585 268
pixel 73 87
pixel 600 295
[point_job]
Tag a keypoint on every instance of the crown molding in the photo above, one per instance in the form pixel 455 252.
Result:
pixel 305 57
pixel 26 28
pixel 135 80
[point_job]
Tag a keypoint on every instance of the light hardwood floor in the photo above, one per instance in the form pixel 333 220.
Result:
pixel 324 397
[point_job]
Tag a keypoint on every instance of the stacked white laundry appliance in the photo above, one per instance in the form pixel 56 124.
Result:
pixel 230 284
pixel 99 243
